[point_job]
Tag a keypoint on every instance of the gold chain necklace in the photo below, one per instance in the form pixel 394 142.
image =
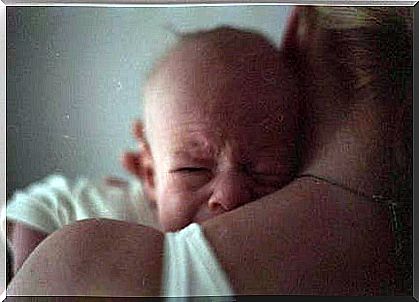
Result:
pixel 393 206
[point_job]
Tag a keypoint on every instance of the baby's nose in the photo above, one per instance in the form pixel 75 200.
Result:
pixel 231 190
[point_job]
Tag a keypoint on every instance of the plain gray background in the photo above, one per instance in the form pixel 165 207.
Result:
pixel 74 79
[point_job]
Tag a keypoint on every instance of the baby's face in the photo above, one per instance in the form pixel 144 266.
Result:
pixel 219 139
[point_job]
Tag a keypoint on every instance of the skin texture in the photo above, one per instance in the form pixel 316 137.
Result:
pixel 98 269
pixel 221 132
pixel 317 240
pixel 307 238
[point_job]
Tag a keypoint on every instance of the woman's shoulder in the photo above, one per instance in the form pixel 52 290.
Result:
pixel 311 231
pixel 94 257
pixel 89 229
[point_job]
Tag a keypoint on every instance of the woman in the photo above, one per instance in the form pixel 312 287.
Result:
pixel 327 232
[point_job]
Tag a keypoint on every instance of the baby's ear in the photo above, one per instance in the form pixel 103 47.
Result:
pixel 141 163
pixel 146 173
pixel 145 164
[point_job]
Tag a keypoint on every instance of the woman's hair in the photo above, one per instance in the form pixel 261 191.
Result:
pixel 374 44
pixel 373 48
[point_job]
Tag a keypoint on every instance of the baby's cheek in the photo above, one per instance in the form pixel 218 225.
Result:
pixel 175 210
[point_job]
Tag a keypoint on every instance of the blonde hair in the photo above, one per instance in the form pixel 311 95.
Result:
pixel 361 17
pixel 380 43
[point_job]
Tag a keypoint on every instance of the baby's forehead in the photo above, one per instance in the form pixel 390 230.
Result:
pixel 217 69
pixel 220 79
pixel 233 48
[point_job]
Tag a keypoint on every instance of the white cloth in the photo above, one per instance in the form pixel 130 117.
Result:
pixel 191 268
pixel 54 202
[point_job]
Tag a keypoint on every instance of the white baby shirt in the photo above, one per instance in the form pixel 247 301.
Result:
pixel 55 201
pixel 190 267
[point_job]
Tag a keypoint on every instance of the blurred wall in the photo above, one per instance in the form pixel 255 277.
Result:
pixel 74 79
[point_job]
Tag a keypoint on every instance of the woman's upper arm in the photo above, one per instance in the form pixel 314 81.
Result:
pixel 24 240
pixel 94 257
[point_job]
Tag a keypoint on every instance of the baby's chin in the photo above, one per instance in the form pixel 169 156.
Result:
pixel 179 224
pixel 174 225
pixel 204 216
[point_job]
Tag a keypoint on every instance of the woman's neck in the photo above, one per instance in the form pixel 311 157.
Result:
pixel 356 135
pixel 356 149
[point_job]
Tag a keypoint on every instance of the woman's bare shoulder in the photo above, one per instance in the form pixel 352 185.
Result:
pixel 94 257
pixel 304 239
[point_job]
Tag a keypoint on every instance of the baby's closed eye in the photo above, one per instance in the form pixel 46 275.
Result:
pixel 190 169
pixel 190 177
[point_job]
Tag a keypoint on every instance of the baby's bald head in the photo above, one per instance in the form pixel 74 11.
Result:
pixel 221 121
pixel 223 43
pixel 220 59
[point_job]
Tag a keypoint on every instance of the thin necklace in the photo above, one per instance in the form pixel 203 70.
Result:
pixel 375 198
